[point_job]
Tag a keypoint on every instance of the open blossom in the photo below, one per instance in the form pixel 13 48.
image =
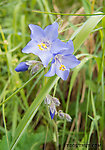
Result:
pixel 62 61
pixel 43 42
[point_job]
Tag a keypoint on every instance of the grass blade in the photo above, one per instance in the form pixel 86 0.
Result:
pixel 82 33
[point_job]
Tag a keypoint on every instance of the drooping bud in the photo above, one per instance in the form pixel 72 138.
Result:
pixel 63 115
pixel 52 110
pixel 56 101
pixel 68 118
pixel 50 99
pixel 23 66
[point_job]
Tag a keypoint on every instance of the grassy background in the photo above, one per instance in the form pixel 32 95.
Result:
pixel 85 102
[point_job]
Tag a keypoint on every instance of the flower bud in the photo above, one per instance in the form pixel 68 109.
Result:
pixel 56 101
pixel 52 110
pixel 53 99
pixel 68 118
pixel 23 66
pixel 63 115
pixel 47 100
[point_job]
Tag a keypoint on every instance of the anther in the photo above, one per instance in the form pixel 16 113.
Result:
pixel 62 67
pixel 42 46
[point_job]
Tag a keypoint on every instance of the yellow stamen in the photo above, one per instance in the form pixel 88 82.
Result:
pixel 44 45
pixel 62 67
pixel 41 46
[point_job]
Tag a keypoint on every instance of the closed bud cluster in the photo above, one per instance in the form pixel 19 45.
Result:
pixel 52 103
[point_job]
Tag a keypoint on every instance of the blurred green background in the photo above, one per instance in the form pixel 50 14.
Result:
pixel 86 100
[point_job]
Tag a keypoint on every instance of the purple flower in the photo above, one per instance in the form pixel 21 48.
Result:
pixel 43 42
pixel 62 61
pixel 22 67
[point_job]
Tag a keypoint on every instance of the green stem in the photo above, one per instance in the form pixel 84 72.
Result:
pixel 5 125
pixel 66 14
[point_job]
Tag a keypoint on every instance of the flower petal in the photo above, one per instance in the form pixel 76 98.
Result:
pixel 70 61
pixel 45 57
pixel 51 31
pixel 69 50
pixel 51 71
pixel 57 46
pixel 22 67
pixel 37 33
pixel 31 47
pixel 62 74
pixel 71 46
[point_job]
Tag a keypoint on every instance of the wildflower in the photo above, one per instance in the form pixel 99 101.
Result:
pixel 22 67
pixel 62 61
pixel 43 42
pixel 63 115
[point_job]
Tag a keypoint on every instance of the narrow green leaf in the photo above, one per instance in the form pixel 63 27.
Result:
pixel 82 33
